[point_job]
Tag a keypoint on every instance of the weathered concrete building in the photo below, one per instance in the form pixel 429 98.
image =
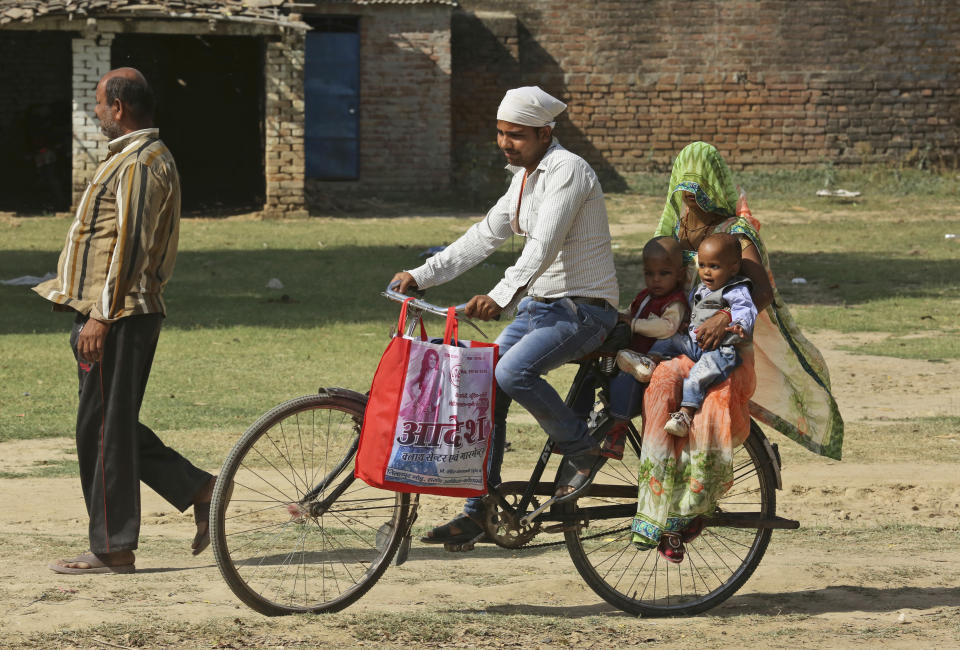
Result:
pixel 266 104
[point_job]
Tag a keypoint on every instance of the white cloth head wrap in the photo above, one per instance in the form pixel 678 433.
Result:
pixel 530 106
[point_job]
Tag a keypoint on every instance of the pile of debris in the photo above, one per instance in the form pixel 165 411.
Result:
pixel 257 11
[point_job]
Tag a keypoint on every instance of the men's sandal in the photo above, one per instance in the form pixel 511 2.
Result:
pixel 469 529
pixel 570 473
pixel 671 548
pixel 94 565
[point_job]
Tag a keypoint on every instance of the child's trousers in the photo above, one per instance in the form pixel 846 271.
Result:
pixel 709 368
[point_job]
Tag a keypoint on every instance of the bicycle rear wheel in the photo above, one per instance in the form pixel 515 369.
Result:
pixel 292 530
pixel 717 563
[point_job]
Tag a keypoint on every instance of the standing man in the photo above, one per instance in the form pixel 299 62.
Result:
pixel 119 255
pixel 563 285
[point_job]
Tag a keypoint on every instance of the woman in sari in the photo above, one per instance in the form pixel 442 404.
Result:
pixel 782 382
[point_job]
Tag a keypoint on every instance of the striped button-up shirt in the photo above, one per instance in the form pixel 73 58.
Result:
pixel 122 244
pixel 567 250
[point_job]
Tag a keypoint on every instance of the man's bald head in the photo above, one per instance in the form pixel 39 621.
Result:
pixel 125 102
pixel 130 74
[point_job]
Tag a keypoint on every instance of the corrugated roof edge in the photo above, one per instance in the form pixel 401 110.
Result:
pixel 281 13
pixel 275 12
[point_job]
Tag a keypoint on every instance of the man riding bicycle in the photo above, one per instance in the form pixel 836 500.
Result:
pixel 563 286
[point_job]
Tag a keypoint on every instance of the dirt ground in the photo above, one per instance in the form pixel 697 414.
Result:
pixel 876 561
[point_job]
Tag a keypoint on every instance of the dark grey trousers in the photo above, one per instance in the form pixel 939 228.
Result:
pixel 115 450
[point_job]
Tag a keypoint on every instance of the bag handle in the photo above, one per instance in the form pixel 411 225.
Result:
pixel 402 321
pixel 450 332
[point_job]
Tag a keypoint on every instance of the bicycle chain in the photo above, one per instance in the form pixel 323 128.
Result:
pixel 527 547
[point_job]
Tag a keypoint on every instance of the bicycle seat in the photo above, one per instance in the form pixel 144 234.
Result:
pixel 618 338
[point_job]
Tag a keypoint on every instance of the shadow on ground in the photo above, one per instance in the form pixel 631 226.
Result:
pixel 828 600
pixel 223 288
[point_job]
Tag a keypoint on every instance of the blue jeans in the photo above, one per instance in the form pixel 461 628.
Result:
pixel 709 368
pixel 541 338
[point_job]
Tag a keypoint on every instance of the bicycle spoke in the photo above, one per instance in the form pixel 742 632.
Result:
pixel 286 498
pixel 715 564
pixel 342 563
pixel 267 460
pixel 250 512
pixel 275 554
pixel 287 456
pixel 303 459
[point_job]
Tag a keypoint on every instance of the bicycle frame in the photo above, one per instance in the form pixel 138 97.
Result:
pixel 281 553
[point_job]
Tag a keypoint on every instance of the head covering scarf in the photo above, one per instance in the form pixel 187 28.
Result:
pixel 530 106
pixel 701 170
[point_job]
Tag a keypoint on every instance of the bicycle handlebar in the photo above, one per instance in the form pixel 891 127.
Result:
pixel 418 303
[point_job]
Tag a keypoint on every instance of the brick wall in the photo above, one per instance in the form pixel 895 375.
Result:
pixel 91 60
pixel 770 82
pixel 283 126
pixel 405 137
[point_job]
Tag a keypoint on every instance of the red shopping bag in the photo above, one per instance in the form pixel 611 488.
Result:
pixel 428 424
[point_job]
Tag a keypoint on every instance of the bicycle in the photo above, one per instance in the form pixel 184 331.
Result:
pixel 293 531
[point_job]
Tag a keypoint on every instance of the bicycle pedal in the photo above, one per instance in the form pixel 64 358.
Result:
pixel 528 519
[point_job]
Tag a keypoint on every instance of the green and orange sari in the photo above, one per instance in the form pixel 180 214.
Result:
pixel 783 381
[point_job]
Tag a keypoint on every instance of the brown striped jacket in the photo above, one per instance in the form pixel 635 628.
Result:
pixel 122 244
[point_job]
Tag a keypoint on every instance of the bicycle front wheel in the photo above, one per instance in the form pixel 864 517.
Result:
pixel 292 530
pixel 717 562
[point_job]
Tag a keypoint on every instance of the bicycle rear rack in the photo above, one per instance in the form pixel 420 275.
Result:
pixel 719 519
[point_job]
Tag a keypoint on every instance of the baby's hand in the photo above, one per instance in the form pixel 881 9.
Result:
pixel 737 329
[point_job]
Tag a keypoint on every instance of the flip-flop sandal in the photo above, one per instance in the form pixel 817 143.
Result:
pixel 570 476
pixel 201 516
pixel 469 529
pixel 671 548
pixel 95 565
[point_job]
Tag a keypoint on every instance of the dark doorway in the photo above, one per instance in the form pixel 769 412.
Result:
pixel 35 125
pixel 331 80
pixel 210 102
